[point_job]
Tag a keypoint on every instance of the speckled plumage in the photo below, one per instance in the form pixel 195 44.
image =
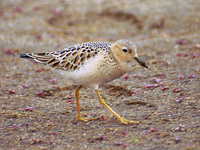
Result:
pixel 91 64
pixel 71 58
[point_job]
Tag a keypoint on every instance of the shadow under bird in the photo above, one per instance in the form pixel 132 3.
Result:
pixel 92 64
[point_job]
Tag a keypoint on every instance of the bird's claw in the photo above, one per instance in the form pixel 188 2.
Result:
pixel 85 119
pixel 125 121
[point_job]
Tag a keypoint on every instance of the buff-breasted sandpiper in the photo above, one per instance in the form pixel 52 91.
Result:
pixel 90 65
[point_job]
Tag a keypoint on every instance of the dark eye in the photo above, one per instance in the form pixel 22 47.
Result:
pixel 124 50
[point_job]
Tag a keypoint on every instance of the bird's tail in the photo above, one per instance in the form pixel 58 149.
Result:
pixel 42 58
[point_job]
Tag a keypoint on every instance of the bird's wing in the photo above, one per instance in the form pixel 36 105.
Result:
pixel 70 58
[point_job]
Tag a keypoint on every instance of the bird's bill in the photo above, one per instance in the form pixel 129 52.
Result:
pixel 142 63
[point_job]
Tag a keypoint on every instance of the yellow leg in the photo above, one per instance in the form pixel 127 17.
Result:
pixel 78 106
pixel 122 120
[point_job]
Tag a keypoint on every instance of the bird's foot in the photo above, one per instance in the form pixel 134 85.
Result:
pixel 125 121
pixel 86 119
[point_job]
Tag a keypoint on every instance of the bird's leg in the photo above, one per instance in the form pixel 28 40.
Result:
pixel 78 105
pixel 77 101
pixel 122 120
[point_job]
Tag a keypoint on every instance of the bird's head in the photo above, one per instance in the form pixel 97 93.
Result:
pixel 126 51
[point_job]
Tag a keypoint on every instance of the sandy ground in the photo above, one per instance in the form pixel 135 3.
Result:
pixel 38 106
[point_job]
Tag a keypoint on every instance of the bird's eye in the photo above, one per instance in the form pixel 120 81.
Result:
pixel 124 50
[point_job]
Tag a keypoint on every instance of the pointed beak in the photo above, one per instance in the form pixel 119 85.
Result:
pixel 141 62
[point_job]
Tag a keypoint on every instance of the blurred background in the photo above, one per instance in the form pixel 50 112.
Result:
pixel 64 22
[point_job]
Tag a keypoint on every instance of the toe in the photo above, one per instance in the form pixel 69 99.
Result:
pixel 125 121
pixel 86 119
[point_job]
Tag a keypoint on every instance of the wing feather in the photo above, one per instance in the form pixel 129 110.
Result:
pixel 71 58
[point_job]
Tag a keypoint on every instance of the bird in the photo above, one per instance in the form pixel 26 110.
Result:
pixel 91 64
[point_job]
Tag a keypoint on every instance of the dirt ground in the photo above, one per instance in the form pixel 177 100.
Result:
pixel 38 107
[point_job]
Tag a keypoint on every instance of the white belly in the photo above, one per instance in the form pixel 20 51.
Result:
pixel 94 72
